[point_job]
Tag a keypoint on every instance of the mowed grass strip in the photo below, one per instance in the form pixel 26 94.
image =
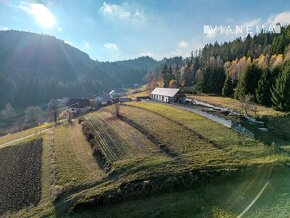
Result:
pixel 175 137
pixel 241 147
pixel 74 160
pixel 138 145
pixel 112 146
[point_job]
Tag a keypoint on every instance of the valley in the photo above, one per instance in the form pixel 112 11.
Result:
pixel 150 152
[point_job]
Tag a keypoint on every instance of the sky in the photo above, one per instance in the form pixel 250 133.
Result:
pixel 118 30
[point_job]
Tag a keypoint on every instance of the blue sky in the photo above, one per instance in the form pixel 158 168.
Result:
pixel 117 30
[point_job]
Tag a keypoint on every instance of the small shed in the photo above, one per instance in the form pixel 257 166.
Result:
pixel 168 95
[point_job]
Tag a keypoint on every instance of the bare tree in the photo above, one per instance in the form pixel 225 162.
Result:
pixel 33 114
pixel 53 110
pixel 8 111
pixel 246 102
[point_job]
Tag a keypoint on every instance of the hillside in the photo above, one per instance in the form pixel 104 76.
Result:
pixel 160 156
pixel 34 68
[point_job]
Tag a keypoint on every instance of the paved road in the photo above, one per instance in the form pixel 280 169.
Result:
pixel 217 119
pixel 220 120
pixel 25 137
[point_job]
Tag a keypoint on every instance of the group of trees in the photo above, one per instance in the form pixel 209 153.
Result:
pixel 268 87
pixel 257 66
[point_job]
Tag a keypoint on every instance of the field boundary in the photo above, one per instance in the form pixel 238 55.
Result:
pixel 151 137
pixel 163 183
pixel 201 137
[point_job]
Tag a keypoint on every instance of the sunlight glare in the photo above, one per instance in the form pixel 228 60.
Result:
pixel 41 14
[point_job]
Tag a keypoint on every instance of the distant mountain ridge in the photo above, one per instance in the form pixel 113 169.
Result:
pixel 35 67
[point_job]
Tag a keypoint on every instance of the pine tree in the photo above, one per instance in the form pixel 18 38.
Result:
pixel 178 75
pixel 165 78
pixel 263 94
pixel 228 89
pixel 248 82
pixel 281 90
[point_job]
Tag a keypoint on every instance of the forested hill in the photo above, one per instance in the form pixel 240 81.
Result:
pixel 34 68
pixel 255 68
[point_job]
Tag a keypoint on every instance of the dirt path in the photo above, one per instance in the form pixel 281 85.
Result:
pixel 25 137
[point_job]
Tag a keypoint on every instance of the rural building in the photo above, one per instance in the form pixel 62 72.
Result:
pixel 103 100
pixel 168 95
pixel 79 105
pixel 58 103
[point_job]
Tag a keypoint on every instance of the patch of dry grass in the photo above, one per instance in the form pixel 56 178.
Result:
pixel 139 94
pixel 74 160
pixel 24 133
pixel 234 105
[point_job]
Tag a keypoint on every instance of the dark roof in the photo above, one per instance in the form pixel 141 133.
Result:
pixel 79 103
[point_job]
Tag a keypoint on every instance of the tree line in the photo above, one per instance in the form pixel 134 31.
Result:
pixel 258 66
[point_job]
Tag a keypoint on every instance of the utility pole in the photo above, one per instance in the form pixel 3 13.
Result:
pixel 54 108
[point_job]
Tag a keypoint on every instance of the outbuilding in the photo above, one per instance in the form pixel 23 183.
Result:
pixel 79 105
pixel 168 95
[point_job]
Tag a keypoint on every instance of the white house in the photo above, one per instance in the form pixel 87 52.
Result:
pixel 168 95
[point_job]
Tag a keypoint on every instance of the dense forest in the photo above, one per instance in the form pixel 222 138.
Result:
pixel 256 67
pixel 35 68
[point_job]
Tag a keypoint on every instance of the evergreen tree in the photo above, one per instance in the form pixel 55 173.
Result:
pixel 178 75
pixel 165 77
pixel 212 80
pixel 248 82
pixel 263 94
pixel 228 88
pixel 281 90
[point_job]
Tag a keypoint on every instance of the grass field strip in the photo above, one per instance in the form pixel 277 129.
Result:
pixel 151 137
pixel 201 137
pixel 22 138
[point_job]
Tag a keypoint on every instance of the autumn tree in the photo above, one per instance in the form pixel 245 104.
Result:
pixel 173 84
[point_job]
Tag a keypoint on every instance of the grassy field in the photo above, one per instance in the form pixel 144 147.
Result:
pixel 240 148
pixel 193 153
pixel 74 161
pixel 136 152
pixel 221 198
pixel 139 94
pixel 234 105
pixel 15 136
pixel 276 119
